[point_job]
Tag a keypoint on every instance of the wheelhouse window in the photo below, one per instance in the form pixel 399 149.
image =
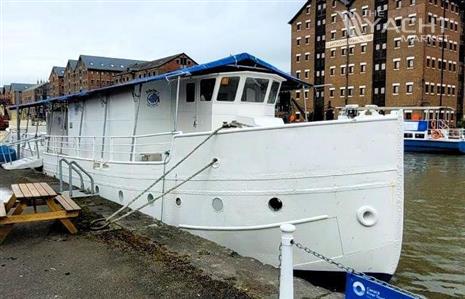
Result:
pixel 254 90
pixel 273 92
pixel 190 92
pixel 206 89
pixel 228 89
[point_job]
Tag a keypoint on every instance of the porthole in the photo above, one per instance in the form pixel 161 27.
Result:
pixel 217 204
pixel 97 189
pixel 150 198
pixel 275 204
pixel 120 195
pixel 178 201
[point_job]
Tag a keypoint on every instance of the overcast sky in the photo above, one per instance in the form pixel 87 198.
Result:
pixel 36 35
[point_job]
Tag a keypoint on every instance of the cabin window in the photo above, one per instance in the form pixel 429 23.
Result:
pixel 273 92
pixel 206 89
pixel 228 89
pixel 254 90
pixel 190 92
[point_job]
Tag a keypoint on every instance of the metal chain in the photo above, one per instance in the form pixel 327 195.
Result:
pixel 322 257
pixel 348 269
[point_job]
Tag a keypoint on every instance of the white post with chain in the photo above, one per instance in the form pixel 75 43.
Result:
pixel 286 278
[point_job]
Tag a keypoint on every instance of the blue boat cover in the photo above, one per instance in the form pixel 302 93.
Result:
pixel 243 61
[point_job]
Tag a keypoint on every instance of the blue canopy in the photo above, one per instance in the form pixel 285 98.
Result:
pixel 243 61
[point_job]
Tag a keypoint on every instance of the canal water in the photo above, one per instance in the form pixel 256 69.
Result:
pixel 433 254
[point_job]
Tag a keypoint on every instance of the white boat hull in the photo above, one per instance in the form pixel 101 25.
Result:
pixel 328 176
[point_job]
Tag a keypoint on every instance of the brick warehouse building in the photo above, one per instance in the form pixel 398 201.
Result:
pixel 57 81
pixel 394 54
pixel 154 67
pixel 92 72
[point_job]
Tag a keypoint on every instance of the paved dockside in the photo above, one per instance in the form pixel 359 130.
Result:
pixel 144 258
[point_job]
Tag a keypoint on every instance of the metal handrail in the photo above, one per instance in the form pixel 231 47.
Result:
pixel 92 183
pixel 117 147
pixel 73 165
pixel 70 175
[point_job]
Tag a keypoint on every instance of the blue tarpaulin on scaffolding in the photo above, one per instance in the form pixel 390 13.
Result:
pixel 243 61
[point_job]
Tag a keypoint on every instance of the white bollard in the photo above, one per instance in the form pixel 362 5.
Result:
pixel 286 278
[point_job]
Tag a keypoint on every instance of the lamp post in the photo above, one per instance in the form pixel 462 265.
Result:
pixel 348 5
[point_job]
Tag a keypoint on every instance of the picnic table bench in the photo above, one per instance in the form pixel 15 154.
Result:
pixel 60 207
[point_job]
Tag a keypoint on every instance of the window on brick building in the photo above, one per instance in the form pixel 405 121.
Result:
pixel 333 34
pixel 332 71
pixel 365 10
pixel 426 87
pixel 299 26
pixel 362 90
pixel 342 91
pixel 409 87
pixel 350 91
pixel 395 88
pixel 363 48
pixel 411 41
pixel 333 52
pixel 412 19
pixel 351 68
pixel 398 3
pixel 363 67
pixel 343 69
pixel 343 51
pixel 333 18
pixel 396 63
pixel 397 42
pixel 331 92
pixel 297 57
pixel 410 62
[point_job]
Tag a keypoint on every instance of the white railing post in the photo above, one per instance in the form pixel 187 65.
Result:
pixel 286 278
pixel 111 149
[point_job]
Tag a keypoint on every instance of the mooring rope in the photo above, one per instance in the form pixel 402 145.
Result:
pixel 107 221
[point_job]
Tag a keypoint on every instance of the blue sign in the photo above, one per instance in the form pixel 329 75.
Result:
pixel 361 287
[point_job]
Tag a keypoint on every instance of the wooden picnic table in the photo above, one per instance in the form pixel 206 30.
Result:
pixel 60 207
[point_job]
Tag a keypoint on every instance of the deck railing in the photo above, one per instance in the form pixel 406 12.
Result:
pixel 146 148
